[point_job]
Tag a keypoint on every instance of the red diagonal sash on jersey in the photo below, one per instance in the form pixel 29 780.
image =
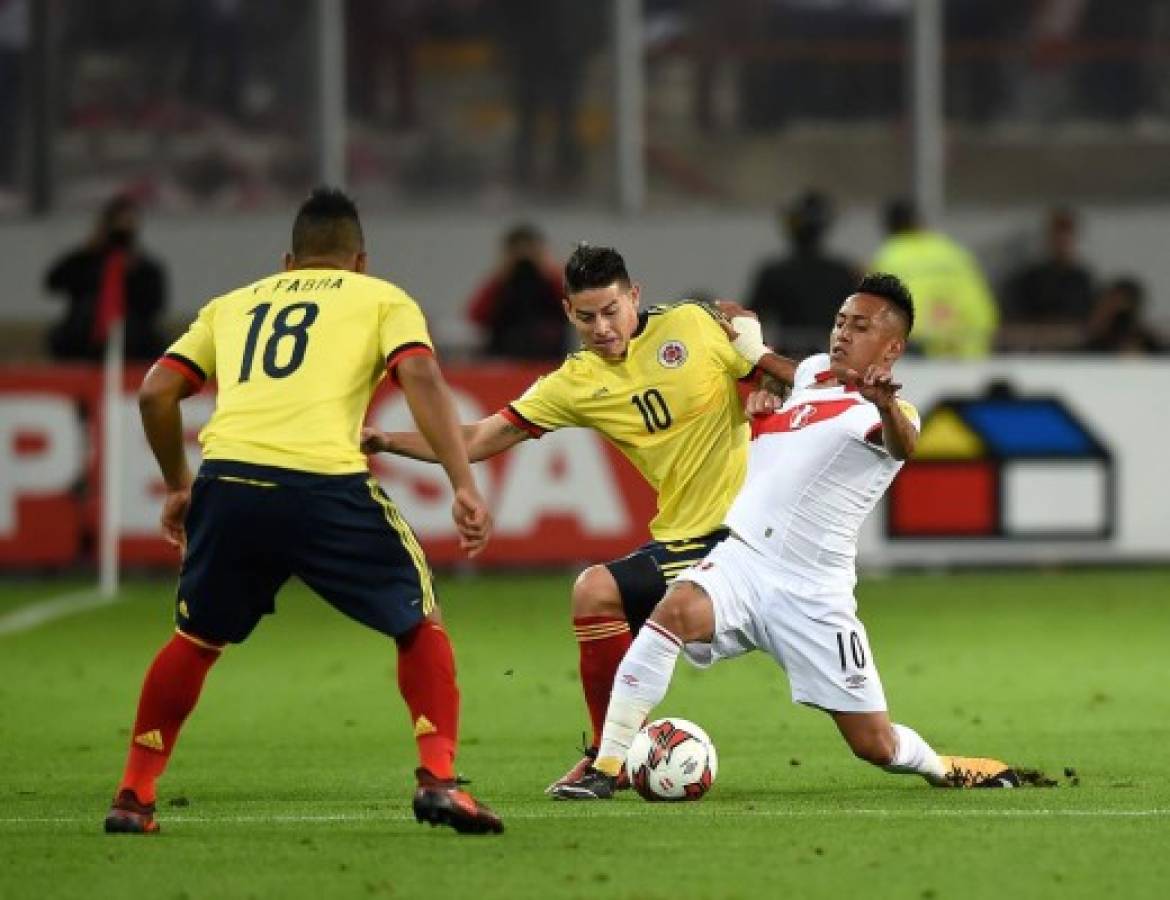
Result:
pixel 801 416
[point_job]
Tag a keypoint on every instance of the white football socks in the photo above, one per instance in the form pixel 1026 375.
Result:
pixel 641 682
pixel 914 756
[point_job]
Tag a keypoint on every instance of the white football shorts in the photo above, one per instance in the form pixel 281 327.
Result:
pixel 813 634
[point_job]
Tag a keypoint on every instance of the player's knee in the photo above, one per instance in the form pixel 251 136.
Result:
pixel 874 747
pixel 671 613
pixel 686 613
pixel 595 593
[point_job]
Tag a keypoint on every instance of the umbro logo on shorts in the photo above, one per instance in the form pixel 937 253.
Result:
pixel 853 682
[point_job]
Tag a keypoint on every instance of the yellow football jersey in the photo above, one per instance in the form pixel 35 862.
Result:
pixel 296 357
pixel 670 406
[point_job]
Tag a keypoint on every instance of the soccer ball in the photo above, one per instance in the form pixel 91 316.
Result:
pixel 672 759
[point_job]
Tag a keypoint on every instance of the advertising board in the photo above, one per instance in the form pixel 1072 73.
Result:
pixel 1020 460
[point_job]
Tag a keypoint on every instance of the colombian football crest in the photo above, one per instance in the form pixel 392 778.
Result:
pixel 672 354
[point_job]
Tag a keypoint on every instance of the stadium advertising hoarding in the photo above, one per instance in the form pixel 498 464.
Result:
pixel 1022 460
pixel 1010 467
pixel 1030 460
pixel 565 498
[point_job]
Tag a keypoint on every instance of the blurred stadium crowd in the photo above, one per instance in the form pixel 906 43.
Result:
pixel 206 107
pixel 208 103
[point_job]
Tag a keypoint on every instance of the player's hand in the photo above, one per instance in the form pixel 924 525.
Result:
pixel 472 520
pixel 877 385
pixel 174 515
pixel 373 441
pixel 761 403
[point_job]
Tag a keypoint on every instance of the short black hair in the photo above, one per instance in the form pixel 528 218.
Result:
pixel 594 267
pixel 327 223
pixel 893 290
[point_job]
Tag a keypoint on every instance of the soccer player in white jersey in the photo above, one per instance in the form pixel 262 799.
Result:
pixel 783 581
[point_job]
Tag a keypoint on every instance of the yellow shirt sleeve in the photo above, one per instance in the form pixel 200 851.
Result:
pixel 402 328
pixel 706 320
pixel 193 354
pixel 910 411
pixel 546 406
pixel 874 431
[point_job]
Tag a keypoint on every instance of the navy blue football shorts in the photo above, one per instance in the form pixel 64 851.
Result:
pixel 250 528
pixel 643 576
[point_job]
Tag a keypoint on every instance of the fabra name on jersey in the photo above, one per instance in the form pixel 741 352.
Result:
pixel 296 357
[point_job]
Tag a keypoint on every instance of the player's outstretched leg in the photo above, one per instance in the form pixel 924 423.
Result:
pixel 603 637
pixel 426 678
pixel 642 680
pixel 901 750
pixel 169 693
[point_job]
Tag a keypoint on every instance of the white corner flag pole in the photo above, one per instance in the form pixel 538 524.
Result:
pixel 111 457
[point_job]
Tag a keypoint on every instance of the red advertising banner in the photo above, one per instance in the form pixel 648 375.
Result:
pixel 45 461
pixel 566 498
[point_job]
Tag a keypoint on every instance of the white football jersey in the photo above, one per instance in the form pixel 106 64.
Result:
pixel 808 370
pixel 813 477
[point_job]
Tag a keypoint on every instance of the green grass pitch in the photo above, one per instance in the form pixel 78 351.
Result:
pixel 293 777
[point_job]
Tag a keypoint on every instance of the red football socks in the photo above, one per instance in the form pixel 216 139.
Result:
pixel 603 641
pixel 426 678
pixel 169 693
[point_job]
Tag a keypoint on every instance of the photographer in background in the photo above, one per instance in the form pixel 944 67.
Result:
pixel 1047 301
pixel 797 295
pixel 107 274
pixel 518 307
pixel 1116 325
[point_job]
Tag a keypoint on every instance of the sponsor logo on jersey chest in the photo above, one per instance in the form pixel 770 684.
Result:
pixel 672 354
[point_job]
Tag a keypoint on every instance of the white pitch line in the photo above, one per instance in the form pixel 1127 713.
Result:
pixel 34 615
pixel 630 814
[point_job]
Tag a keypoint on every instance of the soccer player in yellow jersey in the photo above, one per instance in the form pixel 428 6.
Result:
pixel 284 490
pixel 660 385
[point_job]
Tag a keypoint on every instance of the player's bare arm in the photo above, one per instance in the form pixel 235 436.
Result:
pixel 434 413
pixel 732 310
pixel 484 439
pixel 778 373
pixel 877 386
pixel 780 369
pixel 742 328
pixel 158 403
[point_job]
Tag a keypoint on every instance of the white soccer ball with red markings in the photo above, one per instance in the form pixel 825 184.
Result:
pixel 672 759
